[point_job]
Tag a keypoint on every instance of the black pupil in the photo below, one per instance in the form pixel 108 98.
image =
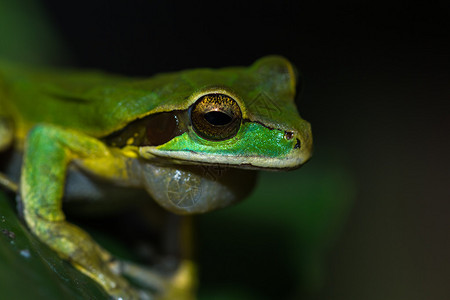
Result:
pixel 217 118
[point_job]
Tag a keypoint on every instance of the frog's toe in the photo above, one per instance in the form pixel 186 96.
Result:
pixel 182 285
pixel 146 295
pixel 130 293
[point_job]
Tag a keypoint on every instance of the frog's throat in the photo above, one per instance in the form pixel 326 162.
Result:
pixel 291 161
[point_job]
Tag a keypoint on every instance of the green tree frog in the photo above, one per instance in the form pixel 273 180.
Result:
pixel 162 134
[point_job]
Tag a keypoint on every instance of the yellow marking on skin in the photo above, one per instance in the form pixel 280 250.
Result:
pixel 183 284
pixel 185 275
pixel 21 129
pixel 112 167
pixel 130 141
pixel 130 151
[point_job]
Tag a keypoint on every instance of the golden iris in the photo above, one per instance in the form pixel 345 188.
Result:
pixel 216 117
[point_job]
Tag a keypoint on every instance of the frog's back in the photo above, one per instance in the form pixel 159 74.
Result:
pixel 89 101
pixel 99 104
pixel 94 102
pixel 29 96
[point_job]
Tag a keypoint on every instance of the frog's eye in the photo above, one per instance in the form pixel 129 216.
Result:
pixel 216 117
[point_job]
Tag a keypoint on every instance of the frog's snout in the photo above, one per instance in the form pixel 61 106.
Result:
pixel 301 143
pixel 289 135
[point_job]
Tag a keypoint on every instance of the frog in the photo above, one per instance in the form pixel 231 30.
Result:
pixel 191 140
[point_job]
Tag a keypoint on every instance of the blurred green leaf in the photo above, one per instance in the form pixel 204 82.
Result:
pixel 30 270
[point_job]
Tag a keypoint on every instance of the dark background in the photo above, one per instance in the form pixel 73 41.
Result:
pixel 376 90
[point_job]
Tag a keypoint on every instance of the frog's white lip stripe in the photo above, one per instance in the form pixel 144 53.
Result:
pixel 189 157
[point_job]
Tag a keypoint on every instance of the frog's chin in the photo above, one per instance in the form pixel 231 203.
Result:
pixel 288 162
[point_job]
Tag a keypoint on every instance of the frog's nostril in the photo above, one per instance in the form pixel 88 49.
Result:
pixel 297 145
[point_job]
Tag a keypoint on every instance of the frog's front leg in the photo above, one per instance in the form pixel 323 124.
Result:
pixel 47 154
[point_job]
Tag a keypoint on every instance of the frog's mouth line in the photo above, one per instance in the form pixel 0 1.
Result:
pixel 290 162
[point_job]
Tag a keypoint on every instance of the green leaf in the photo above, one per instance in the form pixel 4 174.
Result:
pixel 30 270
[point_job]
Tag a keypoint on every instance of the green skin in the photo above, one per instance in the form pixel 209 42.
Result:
pixel 60 120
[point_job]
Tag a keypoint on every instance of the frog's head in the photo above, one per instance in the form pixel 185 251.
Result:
pixel 246 118
pixel 238 117
pixel 234 117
